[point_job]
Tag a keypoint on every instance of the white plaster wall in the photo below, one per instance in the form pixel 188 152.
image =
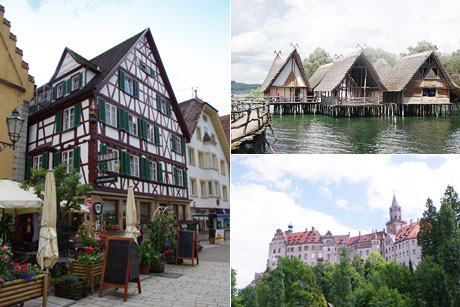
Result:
pixel 285 73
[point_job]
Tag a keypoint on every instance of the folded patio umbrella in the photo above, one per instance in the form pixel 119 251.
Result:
pixel 131 216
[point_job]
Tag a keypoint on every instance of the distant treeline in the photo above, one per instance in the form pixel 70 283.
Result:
pixel 374 283
pixel 238 87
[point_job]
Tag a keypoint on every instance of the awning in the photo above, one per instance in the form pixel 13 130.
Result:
pixel 15 200
pixel 222 211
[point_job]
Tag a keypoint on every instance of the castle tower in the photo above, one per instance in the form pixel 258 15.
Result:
pixel 395 223
pixel 290 228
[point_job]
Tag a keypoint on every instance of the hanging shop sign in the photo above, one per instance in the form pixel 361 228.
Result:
pixel 106 179
pixel 108 157
pixel 97 207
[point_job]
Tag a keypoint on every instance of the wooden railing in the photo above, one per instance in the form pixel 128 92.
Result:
pixel 332 100
pixel 252 111
pixel 286 99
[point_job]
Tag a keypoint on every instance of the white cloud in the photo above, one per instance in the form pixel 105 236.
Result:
pixel 342 203
pixel 324 191
pixel 257 212
pixel 304 22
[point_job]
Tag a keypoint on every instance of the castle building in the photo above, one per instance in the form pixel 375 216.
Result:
pixel 398 243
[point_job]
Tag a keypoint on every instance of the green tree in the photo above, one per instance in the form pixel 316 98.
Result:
pixel 317 58
pixel 374 262
pixel 276 296
pixel 451 197
pixel 262 293
pixel 397 277
pixel 341 290
pixel 234 292
pixel 374 54
pixel 450 250
pixel 70 193
pixel 389 297
pixel 429 288
pixel 421 47
pixel 452 65
pixel 248 296
pixel 323 272
pixel 429 237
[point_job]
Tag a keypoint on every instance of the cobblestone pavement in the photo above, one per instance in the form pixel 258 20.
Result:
pixel 206 284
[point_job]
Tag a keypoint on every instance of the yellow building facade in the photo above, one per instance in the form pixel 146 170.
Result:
pixel 16 91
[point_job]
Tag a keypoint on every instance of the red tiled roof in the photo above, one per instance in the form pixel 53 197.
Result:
pixel 341 239
pixel 367 237
pixel 408 232
pixel 225 120
pixel 312 236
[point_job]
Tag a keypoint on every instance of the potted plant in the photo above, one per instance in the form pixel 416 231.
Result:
pixel 71 287
pixel 157 265
pixel 162 235
pixel 212 235
pixel 145 257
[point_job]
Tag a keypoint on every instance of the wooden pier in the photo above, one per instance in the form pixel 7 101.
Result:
pixel 249 120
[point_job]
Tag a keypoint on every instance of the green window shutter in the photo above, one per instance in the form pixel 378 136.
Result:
pixel 56 159
pixel 80 80
pixel 157 135
pixel 28 166
pixel 59 121
pixel 77 114
pixel 121 78
pixel 173 141
pixel 142 168
pixel 136 88
pixel 69 82
pixel 103 150
pixel 76 158
pixel 176 177
pixel 122 163
pixel 158 102
pixel 183 146
pixel 168 107
pixel 160 171
pixel 148 170
pixel 152 72
pixel 185 179
pixel 146 131
pixel 126 119
pixel 140 64
pixel 54 93
pixel 121 119
pixel 45 160
pixel 101 109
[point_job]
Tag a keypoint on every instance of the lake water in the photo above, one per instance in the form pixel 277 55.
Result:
pixel 324 134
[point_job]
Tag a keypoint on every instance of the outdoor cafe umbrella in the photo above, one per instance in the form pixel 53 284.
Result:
pixel 48 254
pixel 14 200
pixel 131 216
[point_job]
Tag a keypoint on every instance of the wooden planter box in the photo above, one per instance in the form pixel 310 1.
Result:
pixel 20 290
pixel 86 270
pixel 70 290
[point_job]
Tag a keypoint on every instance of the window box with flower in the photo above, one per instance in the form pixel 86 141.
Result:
pixel 20 282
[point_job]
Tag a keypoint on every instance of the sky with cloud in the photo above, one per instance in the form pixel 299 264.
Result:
pixel 191 36
pixel 261 26
pixel 340 193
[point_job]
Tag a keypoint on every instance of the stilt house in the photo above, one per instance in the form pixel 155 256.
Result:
pixel 417 79
pixel 348 81
pixel 286 80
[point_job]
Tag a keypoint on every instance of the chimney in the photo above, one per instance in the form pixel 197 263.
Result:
pixel 360 233
pixel 312 228
pixel 196 95
pixel 411 221
pixel 348 233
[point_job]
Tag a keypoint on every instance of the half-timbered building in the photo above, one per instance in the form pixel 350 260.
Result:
pixel 351 80
pixel 417 79
pixel 286 80
pixel 119 102
pixel 209 166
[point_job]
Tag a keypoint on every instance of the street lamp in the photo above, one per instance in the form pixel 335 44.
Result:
pixel 14 124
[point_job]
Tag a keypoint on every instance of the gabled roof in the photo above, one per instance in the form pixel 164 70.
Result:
pixel 404 70
pixel 78 58
pixel 408 232
pixel 319 75
pixel 337 72
pixel 278 65
pixel 382 67
pixel 225 120
pixel 367 237
pixel 192 109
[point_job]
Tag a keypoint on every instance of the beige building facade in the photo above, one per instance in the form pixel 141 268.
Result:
pixel 17 90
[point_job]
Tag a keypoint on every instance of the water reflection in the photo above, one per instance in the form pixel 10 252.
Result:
pixel 323 134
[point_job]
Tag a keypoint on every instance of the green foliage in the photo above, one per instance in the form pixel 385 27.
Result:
pixel 236 300
pixel 341 290
pixel 452 64
pixel 69 189
pixel 323 272
pixel 389 297
pixel 254 94
pixel 162 234
pixel 374 54
pixel 248 297
pixel 374 262
pixel 238 87
pixel 147 254
pixel 317 58
pixel 276 296
pixel 421 47
pixel 429 288
pixel 428 236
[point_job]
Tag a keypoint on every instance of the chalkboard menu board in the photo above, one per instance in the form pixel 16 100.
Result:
pixel 186 246
pixel 121 264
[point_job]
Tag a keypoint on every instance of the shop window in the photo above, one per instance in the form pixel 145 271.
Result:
pixel 203 222
pixel 181 212
pixel 144 212
pixel 109 213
